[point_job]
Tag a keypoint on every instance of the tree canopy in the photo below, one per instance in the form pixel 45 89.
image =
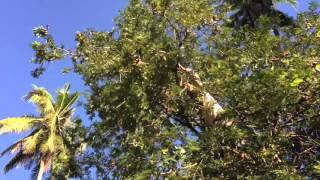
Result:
pixel 178 92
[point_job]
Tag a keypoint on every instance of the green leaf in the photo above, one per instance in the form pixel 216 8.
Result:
pixel 296 82
pixel 318 34
pixel 317 67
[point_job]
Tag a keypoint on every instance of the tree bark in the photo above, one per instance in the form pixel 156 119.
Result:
pixel 41 170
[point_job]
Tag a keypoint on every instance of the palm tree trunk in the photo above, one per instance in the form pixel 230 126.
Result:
pixel 41 170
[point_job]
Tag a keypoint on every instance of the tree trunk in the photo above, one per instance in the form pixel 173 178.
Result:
pixel 41 170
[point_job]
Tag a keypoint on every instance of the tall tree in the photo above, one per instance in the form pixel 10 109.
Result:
pixel 47 140
pixel 177 93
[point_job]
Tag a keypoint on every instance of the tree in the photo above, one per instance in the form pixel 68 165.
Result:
pixel 175 92
pixel 248 12
pixel 47 141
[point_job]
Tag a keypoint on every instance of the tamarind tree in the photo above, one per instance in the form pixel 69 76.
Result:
pixel 176 92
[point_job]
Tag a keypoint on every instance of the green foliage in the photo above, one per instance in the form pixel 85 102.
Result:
pixel 47 50
pixel 49 141
pixel 175 92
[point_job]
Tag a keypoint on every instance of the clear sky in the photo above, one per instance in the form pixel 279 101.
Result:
pixel 17 18
pixel 65 17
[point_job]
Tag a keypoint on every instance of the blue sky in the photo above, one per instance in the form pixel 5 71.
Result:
pixel 65 17
pixel 17 18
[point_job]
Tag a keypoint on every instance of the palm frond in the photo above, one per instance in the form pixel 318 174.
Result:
pixel 18 143
pixel 292 2
pixel 50 145
pixel 30 144
pixel 18 124
pixel 42 138
pixel 42 99
pixel 65 119
pixel 30 164
pixel 70 100
pixel 61 98
pixel 11 148
pixel 35 171
pixel 19 159
pixel 65 99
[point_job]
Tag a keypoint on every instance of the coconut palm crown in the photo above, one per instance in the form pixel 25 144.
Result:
pixel 47 137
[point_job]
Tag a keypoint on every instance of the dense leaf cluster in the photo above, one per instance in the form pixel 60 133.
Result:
pixel 158 78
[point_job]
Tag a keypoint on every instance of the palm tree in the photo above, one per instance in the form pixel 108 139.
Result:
pixel 47 139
